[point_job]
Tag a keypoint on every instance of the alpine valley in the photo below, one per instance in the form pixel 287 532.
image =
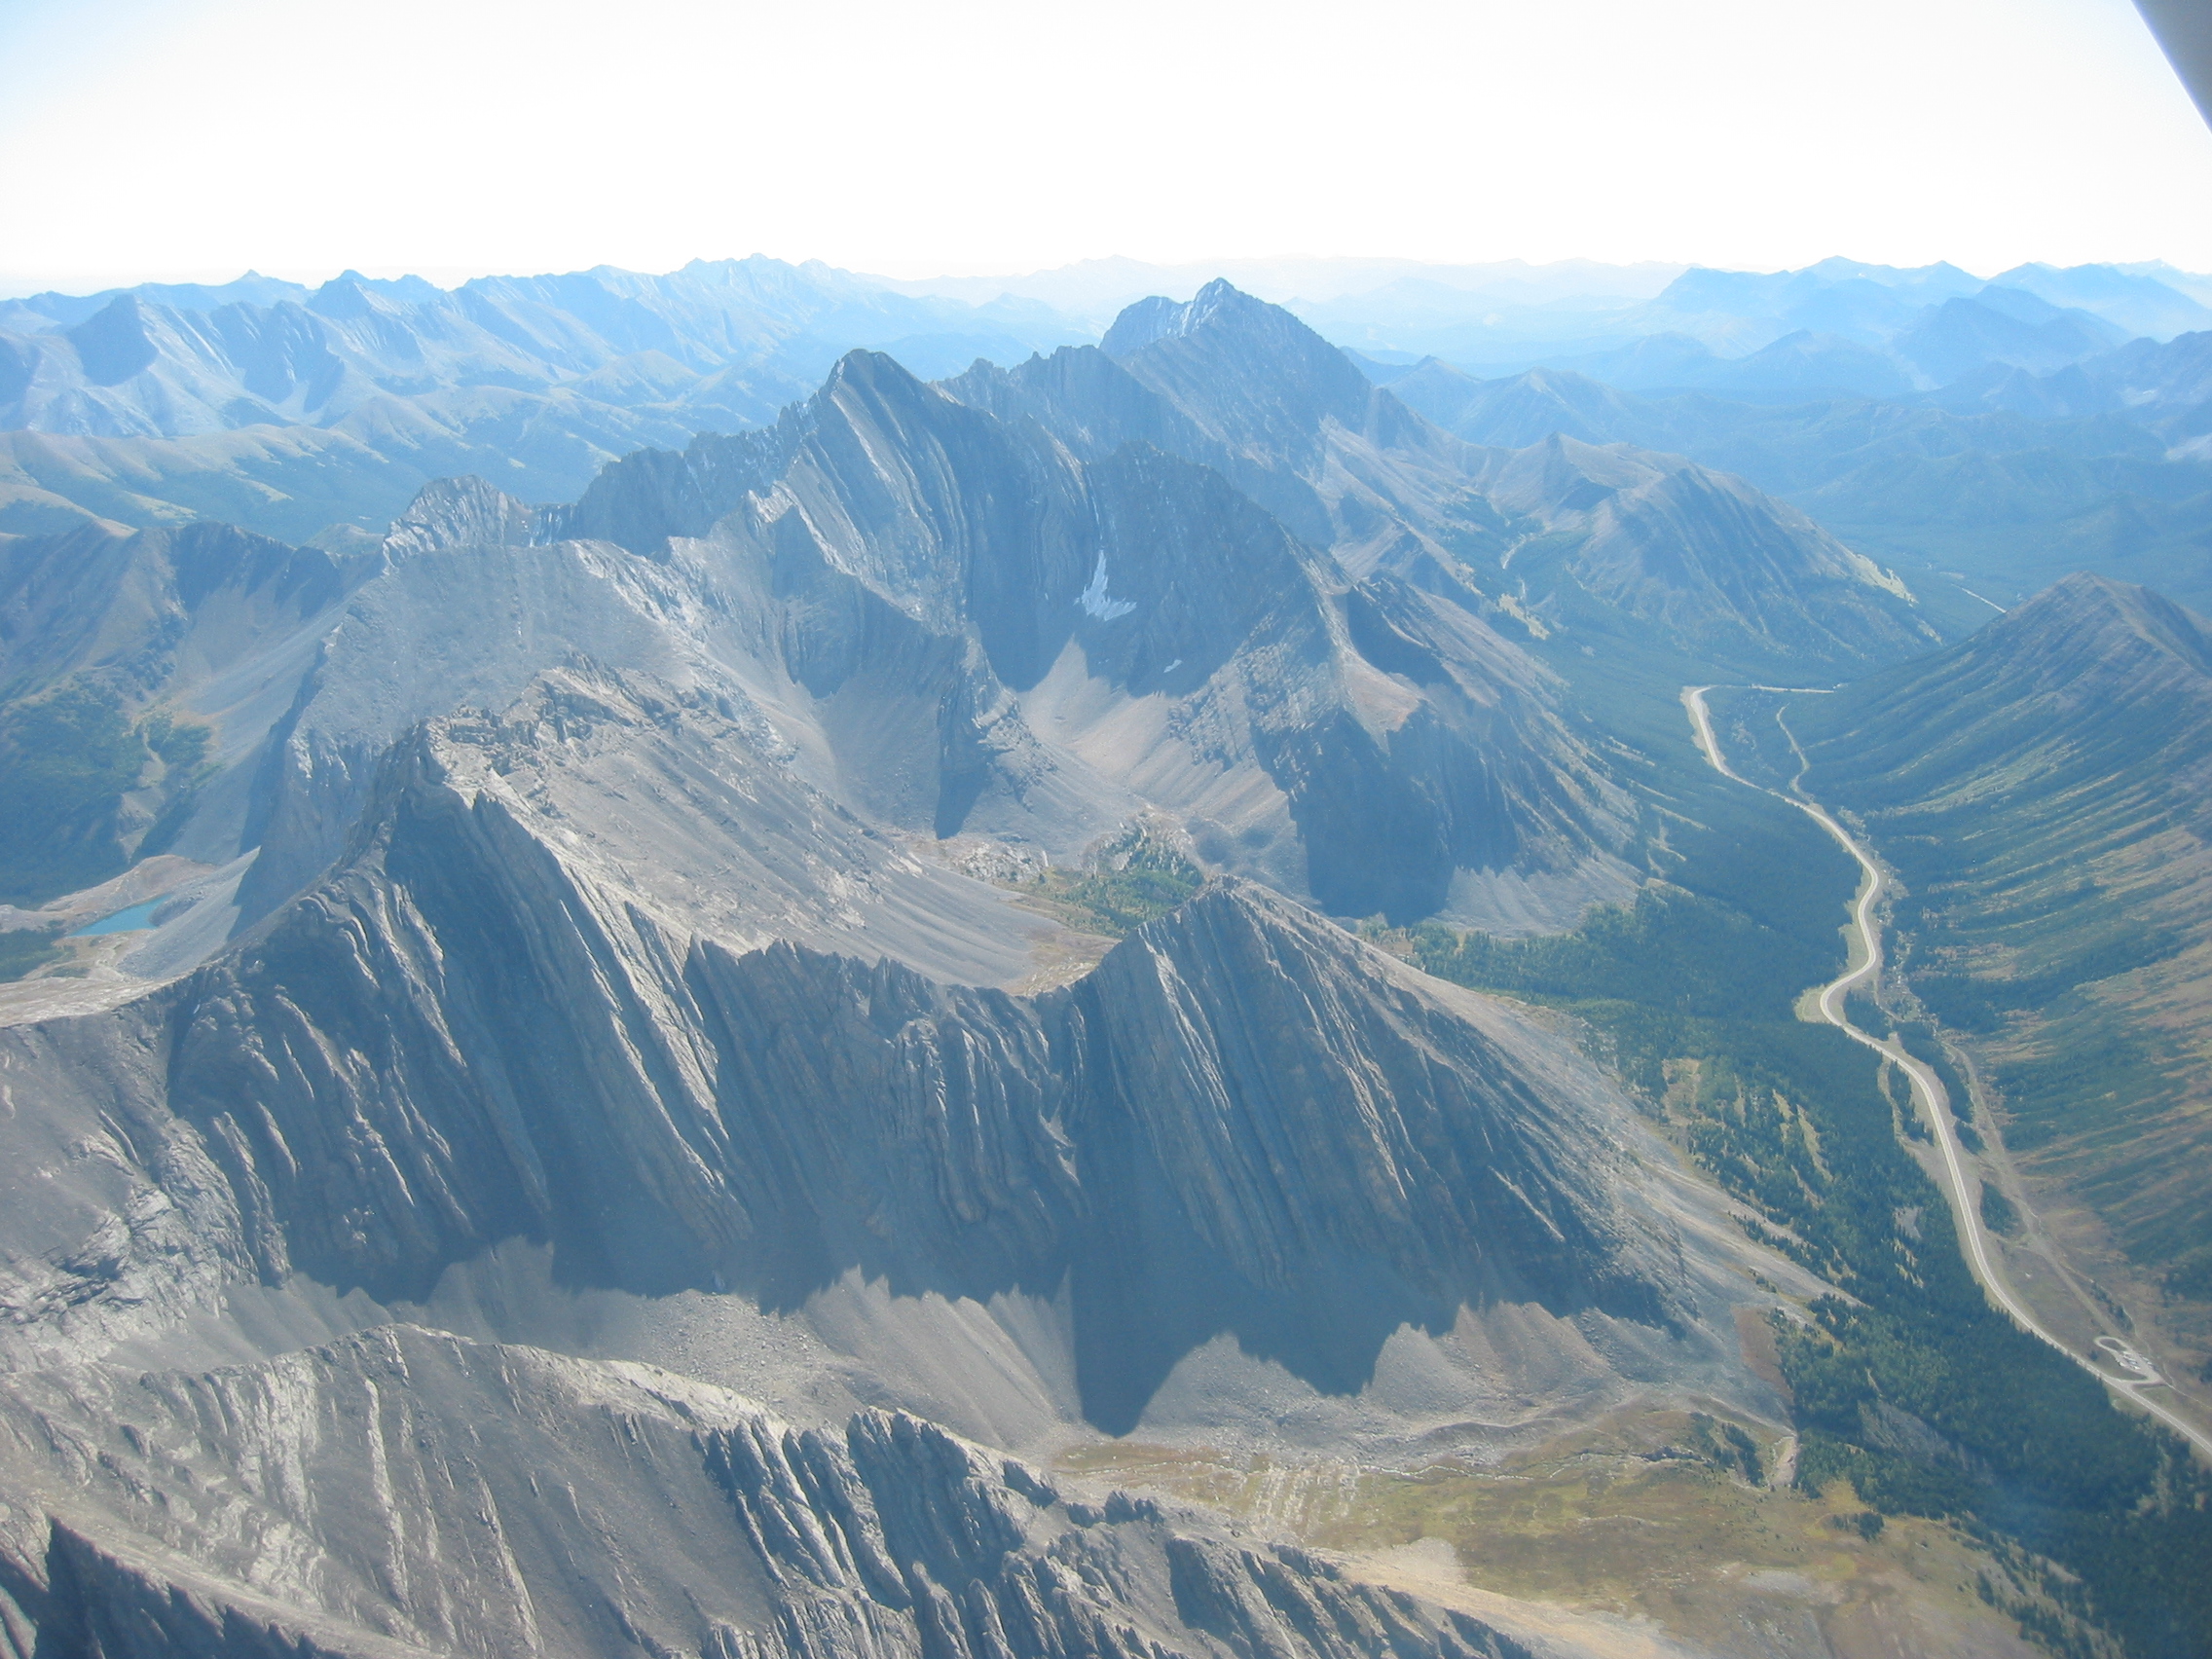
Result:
pixel 762 964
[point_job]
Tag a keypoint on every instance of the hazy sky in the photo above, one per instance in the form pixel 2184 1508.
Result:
pixel 171 138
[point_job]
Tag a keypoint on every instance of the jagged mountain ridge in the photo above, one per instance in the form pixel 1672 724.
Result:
pixel 463 1037
pixel 1246 388
pixel 1141 575
pixel 987 568
pixel 906 582
pixel 1243 389
pixel 551 996
pixel 1244 1141
pixel 1342 466
pixel 530 1502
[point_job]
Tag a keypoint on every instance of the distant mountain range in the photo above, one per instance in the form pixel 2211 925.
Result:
pixel 2000 484
pixel 302 413
pixel 1481 313
pixel 378 387
pixel 294 412
pixel 1098 290
pixel 732 339
pixel 1749 336
pixel 1839 326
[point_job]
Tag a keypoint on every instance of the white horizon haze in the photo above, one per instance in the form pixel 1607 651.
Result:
pixel 193 139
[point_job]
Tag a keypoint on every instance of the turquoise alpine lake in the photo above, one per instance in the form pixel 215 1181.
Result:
pixel 122 921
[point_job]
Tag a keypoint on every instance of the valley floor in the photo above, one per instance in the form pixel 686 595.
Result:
pixel 2056 1300
pixel 1626 1539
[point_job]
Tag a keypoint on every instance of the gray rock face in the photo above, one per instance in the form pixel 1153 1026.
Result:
pixel 646 498
pixel 1247 389
pixel 1242 1122
pixel 515 1015
pixel 1250 373
pixel 911 534
pixel 407 1492
pixel 459 512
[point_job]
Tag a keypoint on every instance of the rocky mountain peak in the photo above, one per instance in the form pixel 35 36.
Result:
pixel 112 344
pixel 2093 625
pixel 348 297
pixel 1218 304
pixel 1242 366
pixel 448 513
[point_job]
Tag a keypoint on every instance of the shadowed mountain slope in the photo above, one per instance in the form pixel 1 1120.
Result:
pixel 462 1037
pixel 137 677
pixel 583 979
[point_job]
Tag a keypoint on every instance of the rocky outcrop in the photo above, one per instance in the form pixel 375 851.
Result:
pixel 406 1493
pixel 497 1020
pixel 1243 1121
pixel 459 512
pixel 644 499
pixel 910 524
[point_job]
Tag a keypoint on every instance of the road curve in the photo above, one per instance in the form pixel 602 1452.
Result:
pixel 1866 947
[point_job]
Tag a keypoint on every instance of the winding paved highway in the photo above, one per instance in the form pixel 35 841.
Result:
pixel 1865 968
